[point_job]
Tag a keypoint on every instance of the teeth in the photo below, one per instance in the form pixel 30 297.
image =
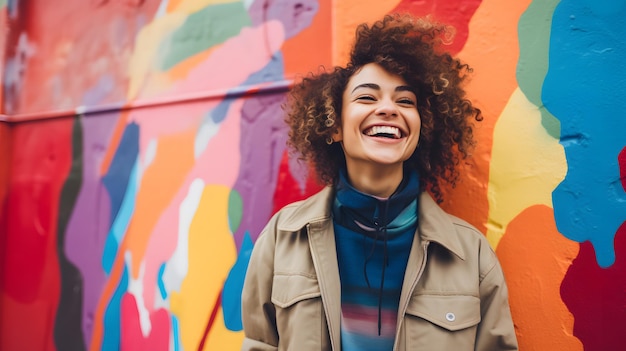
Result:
pixel 383 130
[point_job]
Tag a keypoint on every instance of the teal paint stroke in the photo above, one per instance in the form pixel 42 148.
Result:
pixel 202 30
pixel 534 42
pixel 584 89
pixel 112 316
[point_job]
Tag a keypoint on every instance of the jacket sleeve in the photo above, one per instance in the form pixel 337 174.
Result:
pixel 258 312
pixel 495 331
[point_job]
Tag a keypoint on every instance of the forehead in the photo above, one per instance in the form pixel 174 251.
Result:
pixel 376 74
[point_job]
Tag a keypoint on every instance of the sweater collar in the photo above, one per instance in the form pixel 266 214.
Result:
pixel 433 224
pixel 367 214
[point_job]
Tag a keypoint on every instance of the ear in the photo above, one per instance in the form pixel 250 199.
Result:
pixel 338 135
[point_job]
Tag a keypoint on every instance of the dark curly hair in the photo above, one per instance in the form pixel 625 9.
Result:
pixel 411 48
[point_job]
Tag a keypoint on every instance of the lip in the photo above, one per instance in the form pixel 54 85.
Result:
pixel 403 132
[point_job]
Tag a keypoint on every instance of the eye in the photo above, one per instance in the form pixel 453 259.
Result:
pixel 365 98
pixel 406 101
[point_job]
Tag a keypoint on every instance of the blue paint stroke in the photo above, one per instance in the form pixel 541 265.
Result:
pixel 117 178
pixel 584 89
pixel 121 221
pixel 176 334
pixel 231 295
pixel 160 283
pixel 111 335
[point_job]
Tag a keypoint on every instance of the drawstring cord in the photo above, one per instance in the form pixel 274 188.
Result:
pixel 379 230
pixel 385 264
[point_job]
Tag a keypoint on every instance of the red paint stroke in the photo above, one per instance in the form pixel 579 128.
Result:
pixel 455 13
pixel 288 189
pixel 216 307
pixel 621 160
pixel 30 280
pixel 596 297
pixel 131 335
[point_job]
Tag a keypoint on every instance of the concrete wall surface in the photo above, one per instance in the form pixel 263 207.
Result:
pixel 142 150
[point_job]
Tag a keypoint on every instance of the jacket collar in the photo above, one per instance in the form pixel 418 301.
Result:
pixel 434 223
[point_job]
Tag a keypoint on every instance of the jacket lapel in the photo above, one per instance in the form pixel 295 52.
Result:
pixel 314 215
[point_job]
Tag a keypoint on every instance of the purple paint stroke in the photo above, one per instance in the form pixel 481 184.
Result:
pixel 90 219
pixel 263 138
pixel 295 15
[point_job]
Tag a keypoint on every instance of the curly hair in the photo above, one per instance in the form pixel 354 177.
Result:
pixel 411 48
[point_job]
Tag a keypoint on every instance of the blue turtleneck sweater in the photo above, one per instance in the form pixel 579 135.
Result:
pixel 373 238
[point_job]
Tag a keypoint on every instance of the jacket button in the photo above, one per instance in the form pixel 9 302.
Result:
pixel 450 317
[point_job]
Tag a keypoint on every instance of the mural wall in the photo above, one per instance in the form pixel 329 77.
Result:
pixel 142 150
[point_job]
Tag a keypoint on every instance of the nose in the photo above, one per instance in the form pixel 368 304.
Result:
pixel 387 108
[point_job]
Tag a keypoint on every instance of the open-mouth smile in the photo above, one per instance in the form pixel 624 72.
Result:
pixel 384 132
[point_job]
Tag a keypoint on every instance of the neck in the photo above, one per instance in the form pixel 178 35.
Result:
pixel 379 181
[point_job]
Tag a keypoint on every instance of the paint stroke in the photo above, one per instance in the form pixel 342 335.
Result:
pixel 490 87
pixel 133 338
pixel 589 204
pixel 448 12
pixel 231 295
pixel 69 312
pixel 91 217
pixel 534 42
pixel 202 30
pixel 595 296
pixel 525 169
pixel 535 259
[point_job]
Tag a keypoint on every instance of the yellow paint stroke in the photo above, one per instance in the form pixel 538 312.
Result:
pixel 526 165
pixel 212 253
pixel 219 336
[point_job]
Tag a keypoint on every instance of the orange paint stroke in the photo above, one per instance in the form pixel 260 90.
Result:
pixel 535 258
pixel 318 35
pixel 160 182
pixel 492 50
pixel 346 19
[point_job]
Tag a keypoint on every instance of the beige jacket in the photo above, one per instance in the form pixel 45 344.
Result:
pixel 454 296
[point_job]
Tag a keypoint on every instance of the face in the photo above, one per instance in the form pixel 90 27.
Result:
pixel 380 123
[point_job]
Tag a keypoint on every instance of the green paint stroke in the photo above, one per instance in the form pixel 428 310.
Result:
pixel 235 210
pixel 534 41
pixel 202 30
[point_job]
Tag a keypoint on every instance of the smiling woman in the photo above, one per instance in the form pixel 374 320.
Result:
pixel 372 262
pixel 379 130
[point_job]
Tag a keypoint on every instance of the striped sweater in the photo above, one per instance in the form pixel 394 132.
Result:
pixel 373 238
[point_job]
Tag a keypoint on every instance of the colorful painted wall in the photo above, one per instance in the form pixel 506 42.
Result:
pixel 142 150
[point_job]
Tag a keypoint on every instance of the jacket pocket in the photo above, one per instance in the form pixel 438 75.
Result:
pixel 300 318
pixel 288 289
pixel 442 322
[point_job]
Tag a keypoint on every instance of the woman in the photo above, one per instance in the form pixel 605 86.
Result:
pixel 372 262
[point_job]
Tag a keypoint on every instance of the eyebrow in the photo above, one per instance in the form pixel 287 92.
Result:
pixel 377 87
